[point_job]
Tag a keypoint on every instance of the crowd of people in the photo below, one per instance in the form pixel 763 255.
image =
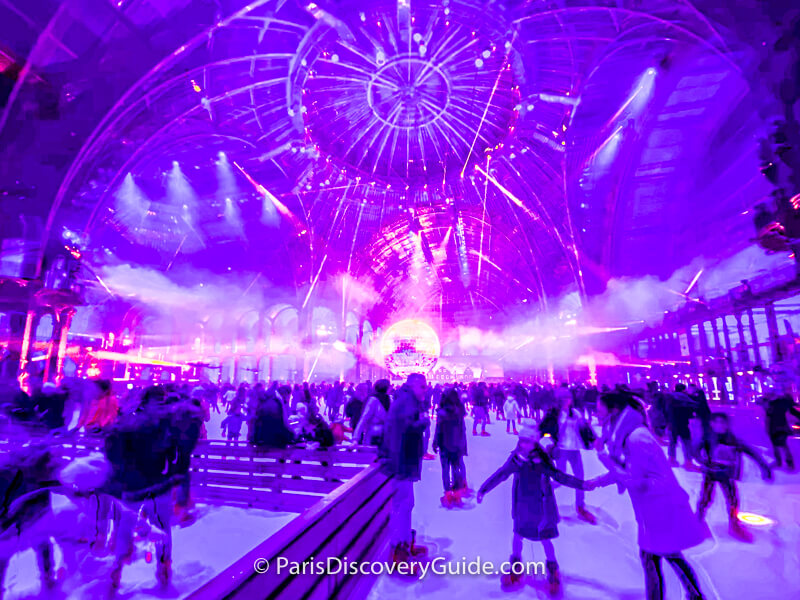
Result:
pixel 139 482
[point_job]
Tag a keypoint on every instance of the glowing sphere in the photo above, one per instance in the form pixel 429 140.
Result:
pixel 410 346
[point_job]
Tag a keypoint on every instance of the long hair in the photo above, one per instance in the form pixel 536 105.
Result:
pixel 621 399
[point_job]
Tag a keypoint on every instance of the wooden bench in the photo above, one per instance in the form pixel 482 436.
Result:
pixel 350 524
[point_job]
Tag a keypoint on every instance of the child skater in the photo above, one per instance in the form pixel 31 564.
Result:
pixel 512 413
pixel 450 440
pixel 721 461
pixel 232 424
pixel 533 504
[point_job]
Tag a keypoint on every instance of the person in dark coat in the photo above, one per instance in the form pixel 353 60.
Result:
pixel 777 407
pixel 480 408
pixel 371 424
pixel 679 412
pixel 141 448
pixel 450 441
pixel 427 404
pixel 355 406
pixel 270 428
pixel 656 409
pixel 50 403
pixel 533 504
pixel 333 401
pixel 701 408
pixel 402 450
pixel 721 461
pixel 521 394
pixel 187 418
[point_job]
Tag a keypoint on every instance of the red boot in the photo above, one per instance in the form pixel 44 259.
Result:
pixel 737 530
pixel 509 581
pixel 400 553
pixel 553 578
pixel 585 515
pixel 416 551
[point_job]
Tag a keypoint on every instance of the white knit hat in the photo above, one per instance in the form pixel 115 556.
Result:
pixel 87 473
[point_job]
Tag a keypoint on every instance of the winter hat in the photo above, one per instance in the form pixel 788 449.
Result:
pixel 86 474
pixel 526 432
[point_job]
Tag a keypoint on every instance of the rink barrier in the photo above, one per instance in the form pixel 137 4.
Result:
pixel 350 523
pixel 240 474
pixel 281 480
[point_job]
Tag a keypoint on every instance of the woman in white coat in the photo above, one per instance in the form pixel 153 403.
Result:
pixel 666 523
pixel 511 412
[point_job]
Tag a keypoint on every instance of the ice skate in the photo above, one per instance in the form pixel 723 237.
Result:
pixel 737 530
pixel 416 552
pixel 428 456
pixel 553 579
pixel 511 581
pixel 451 500
pixel 116 576
pixel 585 515
pixel 485 433
pixel 164 572
pixel 401 555
pixel 465 492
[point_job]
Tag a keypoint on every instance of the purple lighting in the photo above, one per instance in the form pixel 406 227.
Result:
pixel 287 285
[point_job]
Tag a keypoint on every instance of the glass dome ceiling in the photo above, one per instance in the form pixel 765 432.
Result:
pixel 473 154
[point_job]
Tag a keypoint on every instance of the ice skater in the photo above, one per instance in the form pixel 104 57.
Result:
pixel 533 504
pixel 666 523
pixel 512 413
pixel 776 407
pixel 450 441
pixel 232 424
pixel 570 431
pixel 480 409
pixel 721 463
pixel 402 448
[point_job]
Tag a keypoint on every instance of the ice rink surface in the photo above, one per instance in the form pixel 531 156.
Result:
pixel 597 562
pixel 602 562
